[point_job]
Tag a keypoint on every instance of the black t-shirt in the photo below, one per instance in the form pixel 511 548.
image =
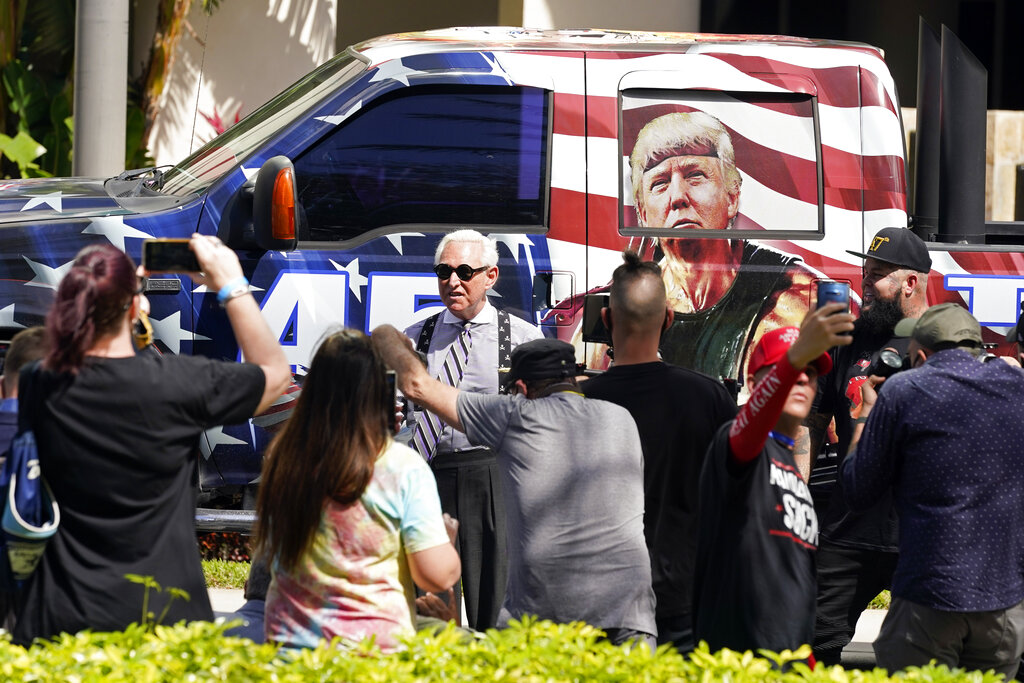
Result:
pixel 838 393
pixel 755 585
pixel 117 444
pixel 677 412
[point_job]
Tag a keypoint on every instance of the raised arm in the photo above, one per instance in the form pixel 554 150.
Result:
pixel 413 379
pixel 221 267
pixel 820 330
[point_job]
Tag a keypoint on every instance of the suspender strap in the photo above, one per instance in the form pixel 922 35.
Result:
pixel 504 347
pixel 504 341
pixel 423 343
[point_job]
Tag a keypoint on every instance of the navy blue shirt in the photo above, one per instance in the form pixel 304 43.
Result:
pixel 948 437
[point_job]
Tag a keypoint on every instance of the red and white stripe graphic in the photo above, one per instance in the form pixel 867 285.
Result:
pixel 863 186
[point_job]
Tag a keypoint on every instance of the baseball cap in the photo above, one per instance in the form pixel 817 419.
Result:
pixel 943 325
pixel 900 247
pixel 542 359
pixel 773 346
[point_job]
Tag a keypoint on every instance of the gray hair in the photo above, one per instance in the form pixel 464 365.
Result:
pixel 678 134
pixel 488 247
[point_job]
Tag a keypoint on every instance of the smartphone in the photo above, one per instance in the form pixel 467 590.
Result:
pixel 593 327
pixel 391 395
pixel 831 291
pixel 168 256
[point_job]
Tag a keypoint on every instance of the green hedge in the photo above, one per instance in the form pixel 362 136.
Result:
pixel 532 651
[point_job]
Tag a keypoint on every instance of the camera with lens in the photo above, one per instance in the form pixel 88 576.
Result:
pixel 887 362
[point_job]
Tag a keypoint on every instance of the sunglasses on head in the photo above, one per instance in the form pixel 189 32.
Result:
pixel 464 271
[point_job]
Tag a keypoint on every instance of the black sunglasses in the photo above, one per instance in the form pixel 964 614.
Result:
pixel 464 271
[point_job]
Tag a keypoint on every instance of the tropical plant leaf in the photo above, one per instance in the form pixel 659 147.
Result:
pixel 48 37
pixel 21 148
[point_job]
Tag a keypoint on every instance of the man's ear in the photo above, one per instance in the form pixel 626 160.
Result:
pixel 734 203
pixel 751 383
pixel 670 317
pixel 521 386
pixel 606 318
pixel 641 215
pixel 910 284
pixel 492 276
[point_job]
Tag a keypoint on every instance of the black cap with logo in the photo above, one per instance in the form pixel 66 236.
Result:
pixel 900 247
pixel 542 359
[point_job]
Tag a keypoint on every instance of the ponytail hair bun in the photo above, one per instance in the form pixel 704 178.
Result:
pixel 91 302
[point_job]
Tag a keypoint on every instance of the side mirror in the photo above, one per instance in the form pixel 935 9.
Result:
pixel 275 209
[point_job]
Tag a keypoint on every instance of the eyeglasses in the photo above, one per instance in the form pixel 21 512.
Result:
pixel 464 271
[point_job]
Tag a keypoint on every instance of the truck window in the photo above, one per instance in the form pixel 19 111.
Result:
pixel 705 160
pixel 430 155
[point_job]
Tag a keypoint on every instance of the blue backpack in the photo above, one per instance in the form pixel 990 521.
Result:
pixel 30 513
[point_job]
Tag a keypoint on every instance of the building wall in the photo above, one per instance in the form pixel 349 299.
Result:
pixel 358 20
pixel 664 15
pixel 1004 151
pixel 234 61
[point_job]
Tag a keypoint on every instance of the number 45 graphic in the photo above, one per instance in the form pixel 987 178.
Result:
pixel 301 306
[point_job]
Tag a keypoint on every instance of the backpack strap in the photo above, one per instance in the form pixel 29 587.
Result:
pixel 28 390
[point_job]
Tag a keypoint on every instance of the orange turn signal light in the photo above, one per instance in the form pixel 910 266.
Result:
pixel 282 207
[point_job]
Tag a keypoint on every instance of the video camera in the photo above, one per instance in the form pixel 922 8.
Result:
pixel 887 363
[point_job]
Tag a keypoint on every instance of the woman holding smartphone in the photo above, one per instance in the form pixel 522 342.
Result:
pixel 117 435
pixel 348 518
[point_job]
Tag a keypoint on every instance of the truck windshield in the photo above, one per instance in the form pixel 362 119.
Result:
pixel 221 154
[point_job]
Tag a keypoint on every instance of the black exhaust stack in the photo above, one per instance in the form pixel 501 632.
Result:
pixel 926 147
pixel 962 144
pixel 949 202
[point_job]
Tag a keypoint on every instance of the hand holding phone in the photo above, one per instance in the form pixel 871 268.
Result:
pixel 168 255
pixel 831 291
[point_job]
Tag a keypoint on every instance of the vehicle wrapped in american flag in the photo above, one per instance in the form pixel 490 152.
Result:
pixel 746 165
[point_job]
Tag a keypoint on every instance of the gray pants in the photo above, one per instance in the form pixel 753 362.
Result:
pixel 913 635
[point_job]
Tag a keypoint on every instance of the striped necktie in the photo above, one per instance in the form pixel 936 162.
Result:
pixel 429 426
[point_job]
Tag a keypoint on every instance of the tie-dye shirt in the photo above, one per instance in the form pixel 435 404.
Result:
pixel 355 581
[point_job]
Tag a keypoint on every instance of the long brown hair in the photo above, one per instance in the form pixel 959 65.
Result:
pixel 91 302
pixel 328 447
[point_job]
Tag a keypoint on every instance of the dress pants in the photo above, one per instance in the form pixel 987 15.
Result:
pixel 469 485
pixel 848 579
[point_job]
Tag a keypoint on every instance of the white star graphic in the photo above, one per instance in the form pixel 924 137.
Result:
pixel 54 200
pixel 114 229
pixel 250 173
pixel 394 70
pixel 513 242
pixel 396 239
pixel 355 280
pixel 215 436
pixel 170 332
pixel 45 275
pixel 335 119
pixel 496 69
pixel 203 289
pixel 7 317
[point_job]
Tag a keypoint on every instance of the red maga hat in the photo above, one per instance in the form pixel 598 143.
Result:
pixel 774 344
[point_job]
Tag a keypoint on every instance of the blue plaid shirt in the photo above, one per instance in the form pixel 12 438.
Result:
pixel 948 437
